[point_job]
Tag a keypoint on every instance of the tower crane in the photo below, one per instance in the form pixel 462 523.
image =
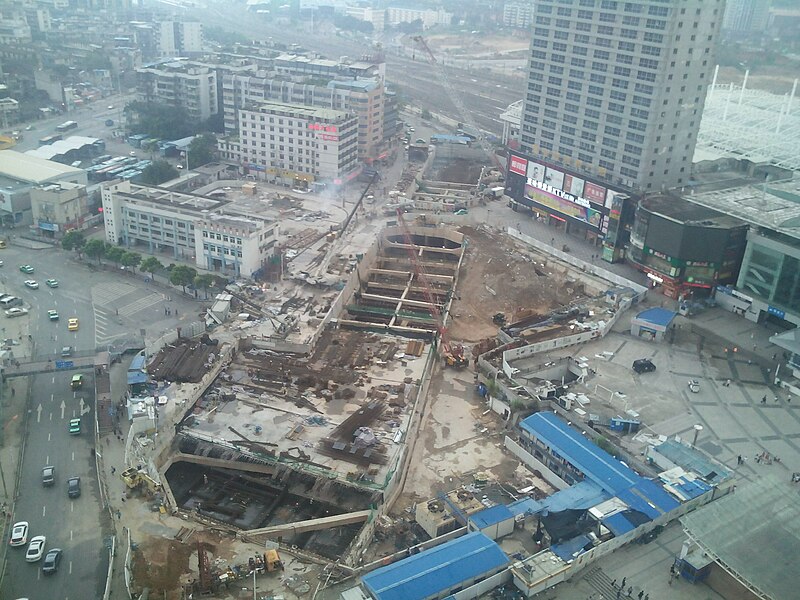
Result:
pixel 453 353
pixel 464 112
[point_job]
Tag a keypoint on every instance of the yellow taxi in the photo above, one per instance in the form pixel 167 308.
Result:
pixel 72 324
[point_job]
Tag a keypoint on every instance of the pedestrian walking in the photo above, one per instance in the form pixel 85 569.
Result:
pixel 176 312
pixel 619 593
pixel 630 590
pixel 622 585
pixel 738 462
pixel 119 514
pixel 641 593
pixel 123 499
pixel 647 597
pixel 614 583
pixel 764 399
pixel 113 470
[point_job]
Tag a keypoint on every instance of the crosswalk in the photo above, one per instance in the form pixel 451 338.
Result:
pixel 112 301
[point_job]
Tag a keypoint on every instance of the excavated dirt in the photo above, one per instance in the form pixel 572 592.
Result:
pixel 497 277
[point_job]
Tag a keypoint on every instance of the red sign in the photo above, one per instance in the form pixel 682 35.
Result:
pixel 320 127
pixel 518 165
pixel 594 193
pixel 329 138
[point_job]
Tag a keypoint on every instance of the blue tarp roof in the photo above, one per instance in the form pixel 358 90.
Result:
pixel 618 524
pixel 137 364
pixel 491 516
pixel 568 550
pixel 649 498
pixel 657 316
pixel 595 463
pixel 136 377
pixel 692 460
pixel 437 569
pixel 581 495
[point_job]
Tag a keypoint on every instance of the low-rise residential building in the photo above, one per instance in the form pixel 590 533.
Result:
pixel 299 143
pixel 428 16
pixel 518 14
pixel 182 84
pixel 59 207
pixel 213 233
pixel 19 174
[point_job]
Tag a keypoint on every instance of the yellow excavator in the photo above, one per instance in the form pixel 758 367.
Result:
pixel 137 479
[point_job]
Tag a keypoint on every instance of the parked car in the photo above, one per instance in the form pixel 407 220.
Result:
pixel 74 487
pixel 51 561
pixel 16 312
pixel 19 534
pixel 643 365
pixel 694 386
pixel 48 476
pixel 35 549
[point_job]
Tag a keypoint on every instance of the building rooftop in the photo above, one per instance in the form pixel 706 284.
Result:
pixel 299 110
pixel 692 460
pixel 774 206
pixel 491 516
pixel 175 200
pixel 74 142
pixel 32 169
pixel 683 211
pixel 657 316
pixel 438 569
pixel 364 85
pixel 754 533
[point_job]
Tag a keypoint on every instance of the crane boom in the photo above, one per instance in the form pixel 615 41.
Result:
pixel 453 354
pixel 455 97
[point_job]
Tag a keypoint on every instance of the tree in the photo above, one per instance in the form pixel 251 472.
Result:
pixel 158 172
pixel 160 120
pixel 201 150
pixel 114 254
pixel 204 282
pixel 131 259
pixel 150 265
pixel 182 275
pixel 95 249
pixel 73 240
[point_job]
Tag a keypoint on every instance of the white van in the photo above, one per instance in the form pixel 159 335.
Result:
pixel 10 301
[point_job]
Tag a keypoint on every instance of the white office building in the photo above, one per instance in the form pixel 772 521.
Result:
pixel 212 233
pixel 182 84
pixel 304 143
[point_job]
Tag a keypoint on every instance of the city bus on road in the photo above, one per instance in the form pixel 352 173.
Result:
pixel 46 141
pixel 66 126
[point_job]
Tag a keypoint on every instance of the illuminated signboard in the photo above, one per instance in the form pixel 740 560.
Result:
pixel 535 171
pixel 329 138
pixel 554 199
pixel 321 127
pixel 558 192
pixel 518 165
pixel 554 178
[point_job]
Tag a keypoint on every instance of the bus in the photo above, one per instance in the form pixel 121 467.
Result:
pixel 50 139
pixel 101 159
pixel 66 126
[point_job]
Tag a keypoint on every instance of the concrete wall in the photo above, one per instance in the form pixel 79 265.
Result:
pixel 534 464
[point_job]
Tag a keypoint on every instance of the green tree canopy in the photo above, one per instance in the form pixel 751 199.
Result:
pixel 158 172
pixel 95 249
pixel 204 282
pixel 160 120
pixel 131 259
pixel 182 275
pixel 202 150
pixel 114 254
pixel 73 240
pixel 150 265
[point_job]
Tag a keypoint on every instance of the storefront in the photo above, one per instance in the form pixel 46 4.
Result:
pixel 570 203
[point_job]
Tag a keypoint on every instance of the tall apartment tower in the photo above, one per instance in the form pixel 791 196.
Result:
pixel 616 89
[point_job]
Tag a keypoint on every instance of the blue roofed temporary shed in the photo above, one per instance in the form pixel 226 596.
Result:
pixel 652 323
pixel 495 522
pixel 596 464
pixel 433 573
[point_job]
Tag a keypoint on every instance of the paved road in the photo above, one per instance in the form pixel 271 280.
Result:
pixel 108 305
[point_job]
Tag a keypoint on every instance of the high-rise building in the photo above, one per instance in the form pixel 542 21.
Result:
pixel 616 89
pixel 182 84
pixel 744 16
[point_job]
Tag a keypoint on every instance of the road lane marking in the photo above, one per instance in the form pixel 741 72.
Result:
pixel 44 511
pixel 70 567
pixel 48 436
pixel 52 397
pixel 70 531
pixel 39 413
pixel 54 378
pixel 48 460
pixel 71 509
pixel 73 455
pixel 51 416
pixel 63 407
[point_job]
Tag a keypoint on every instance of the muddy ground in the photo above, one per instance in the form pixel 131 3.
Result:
pixel 496 277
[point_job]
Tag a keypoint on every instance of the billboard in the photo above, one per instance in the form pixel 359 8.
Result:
pixel 594 193
pixel 535 171
pixel 518 165
pixel 573 185
pixel 563 206
pixel 554 177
